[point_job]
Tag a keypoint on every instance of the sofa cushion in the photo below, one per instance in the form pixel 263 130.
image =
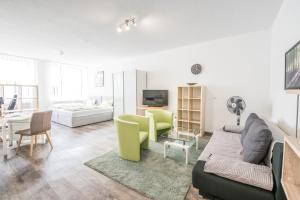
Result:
pixel 248 123
pixel 142 136
pixel 256 142
pixel 256 175
pixel 223 143
pixel 162 125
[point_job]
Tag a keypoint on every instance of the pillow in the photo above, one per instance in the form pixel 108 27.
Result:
pixel 248 123
pixel 107 103
pixel 90 102
pixel 256 142
pixel 232 128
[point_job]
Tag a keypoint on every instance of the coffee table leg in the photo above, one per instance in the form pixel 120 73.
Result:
pixel 165 150
pixel 186 156
pixel 197 142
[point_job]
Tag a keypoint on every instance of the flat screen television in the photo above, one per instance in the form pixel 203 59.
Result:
pixel 155 98
pixel 292 68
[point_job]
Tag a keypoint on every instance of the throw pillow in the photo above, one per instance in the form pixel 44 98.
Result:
pixel 232 128
pixel 256 142
pixel 248 123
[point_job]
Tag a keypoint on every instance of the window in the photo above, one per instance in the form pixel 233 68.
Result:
pixel 17 70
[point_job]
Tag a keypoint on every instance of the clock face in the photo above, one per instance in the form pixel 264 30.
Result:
pixel 196 69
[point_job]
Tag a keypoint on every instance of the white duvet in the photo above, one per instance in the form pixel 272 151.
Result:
pixel 79 110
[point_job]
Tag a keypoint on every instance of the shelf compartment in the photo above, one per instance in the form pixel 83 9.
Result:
pixel 195 105
pixel 185 104
pixel 179 104
pixel 179 92
pixel 185 93
pixel 194 128
pixel 195 92
pixel 183 115
pixel 183 126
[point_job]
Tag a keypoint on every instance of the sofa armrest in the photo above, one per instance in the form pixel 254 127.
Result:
pixel 232 128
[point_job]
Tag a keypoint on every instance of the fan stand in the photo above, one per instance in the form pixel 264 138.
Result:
pixel 238 120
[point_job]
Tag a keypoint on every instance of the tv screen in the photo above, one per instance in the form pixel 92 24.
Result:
pixel 292 68
pixel 155 97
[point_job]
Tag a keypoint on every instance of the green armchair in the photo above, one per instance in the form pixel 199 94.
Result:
pixel 161 121
pixel 133 134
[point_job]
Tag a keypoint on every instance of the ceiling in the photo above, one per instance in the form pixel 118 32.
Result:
pixel 85 30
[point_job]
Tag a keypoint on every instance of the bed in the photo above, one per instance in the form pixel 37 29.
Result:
pixel 79 114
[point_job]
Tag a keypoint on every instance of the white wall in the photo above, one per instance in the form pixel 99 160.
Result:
pixel 100 91
pixel 232 66
pixel 43 84
pixel 285 33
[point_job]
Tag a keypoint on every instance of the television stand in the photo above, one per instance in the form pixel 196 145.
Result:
pixel 141 109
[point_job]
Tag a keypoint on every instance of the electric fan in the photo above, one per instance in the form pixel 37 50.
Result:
pixel 236 105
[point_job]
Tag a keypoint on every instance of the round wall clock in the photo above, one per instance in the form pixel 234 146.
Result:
pixel 196 69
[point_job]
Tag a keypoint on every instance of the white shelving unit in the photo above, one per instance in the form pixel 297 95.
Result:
pixel 190 109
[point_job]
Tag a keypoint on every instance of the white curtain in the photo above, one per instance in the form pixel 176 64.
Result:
pixel 17 70
pixel 67 82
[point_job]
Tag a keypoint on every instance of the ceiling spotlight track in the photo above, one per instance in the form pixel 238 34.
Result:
pixel 127 24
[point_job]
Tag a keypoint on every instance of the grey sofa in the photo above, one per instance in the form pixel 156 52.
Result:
pixel 215 187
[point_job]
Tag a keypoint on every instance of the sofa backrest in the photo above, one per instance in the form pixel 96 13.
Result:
pixel 278 136
pixel 276 169
pixel 274 158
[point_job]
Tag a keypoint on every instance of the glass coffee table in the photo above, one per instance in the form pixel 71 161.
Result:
pixel 181 140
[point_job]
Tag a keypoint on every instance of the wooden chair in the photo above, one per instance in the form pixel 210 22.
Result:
pixel 40 124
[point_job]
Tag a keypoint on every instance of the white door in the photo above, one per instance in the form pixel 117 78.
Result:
pixel 130 92
pixel 118 96
pixel 140 86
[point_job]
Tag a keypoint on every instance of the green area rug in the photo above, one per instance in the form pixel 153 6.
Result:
pixel 154 176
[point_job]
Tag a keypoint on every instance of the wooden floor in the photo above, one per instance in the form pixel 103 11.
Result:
pixel 60 173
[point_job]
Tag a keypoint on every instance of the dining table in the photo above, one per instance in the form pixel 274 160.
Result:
pixel 10 123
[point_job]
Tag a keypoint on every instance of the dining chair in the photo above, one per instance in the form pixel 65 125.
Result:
pixel 40 124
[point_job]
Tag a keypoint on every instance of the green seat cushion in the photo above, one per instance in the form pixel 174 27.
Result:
pixel 142 136
pixel 162 125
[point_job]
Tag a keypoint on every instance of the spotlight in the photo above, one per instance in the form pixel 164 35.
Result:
pixel 126 25
pixel 119 29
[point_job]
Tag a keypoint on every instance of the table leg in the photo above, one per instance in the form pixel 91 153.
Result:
pixel 197 142
pixel 44 140
pixel 165 150
pixel 10 134
pixel 186 156
pixel 4 141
